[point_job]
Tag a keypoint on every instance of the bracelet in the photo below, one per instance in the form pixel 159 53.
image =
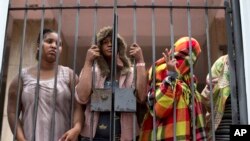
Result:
pixel 140 64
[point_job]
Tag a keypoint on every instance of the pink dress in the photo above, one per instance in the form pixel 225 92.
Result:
pixel 45 105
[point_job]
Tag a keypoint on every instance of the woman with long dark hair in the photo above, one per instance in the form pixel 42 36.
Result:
pixel 102 52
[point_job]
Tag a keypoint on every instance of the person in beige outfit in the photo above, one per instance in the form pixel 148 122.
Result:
pixel 62 123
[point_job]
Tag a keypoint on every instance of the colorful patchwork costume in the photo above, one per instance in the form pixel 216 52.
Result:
pixel 177 89
pixel 220 91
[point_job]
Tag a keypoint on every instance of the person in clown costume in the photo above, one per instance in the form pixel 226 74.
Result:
pixel 220 91
pixel 173 85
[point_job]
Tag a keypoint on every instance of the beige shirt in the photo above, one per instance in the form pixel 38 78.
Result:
pixel 45 105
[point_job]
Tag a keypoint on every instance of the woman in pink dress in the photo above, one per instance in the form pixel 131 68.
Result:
pixel 46 102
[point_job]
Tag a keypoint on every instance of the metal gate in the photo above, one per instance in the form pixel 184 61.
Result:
pixel 144 20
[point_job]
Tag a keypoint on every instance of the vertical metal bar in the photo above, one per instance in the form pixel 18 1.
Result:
pixel 95 24
pixel 172 56
pixel 94 40
pixel 74 64
pixel 239 62
pixel 209 70
pixel 52 133
pixel 38 76
pixel 134 23
pixel 10 2
pixel 114 45
pixel 135 73
pixel 20 71
pixel 231 59
pixel 113 71
pixel 153 66
pixel 191 72
pixel 171 27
